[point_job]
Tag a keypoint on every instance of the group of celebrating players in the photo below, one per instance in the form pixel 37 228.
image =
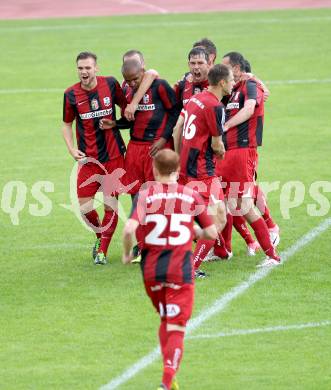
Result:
pixel 192 156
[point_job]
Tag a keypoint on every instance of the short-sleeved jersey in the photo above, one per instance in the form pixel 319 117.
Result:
pixel 156 114
pixel 166 214
pixel 185 89
pixel 249 133
pixel 87 108
pixel 204 119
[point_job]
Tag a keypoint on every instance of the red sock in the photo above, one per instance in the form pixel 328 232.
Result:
pixel 262 234
pixel 227 232
pixel 201 250
pixel 261 204
pixel 92 218
pixel 173 355
pixel 240 225
pixel 163 337
pixel 109 224
pixel 219 247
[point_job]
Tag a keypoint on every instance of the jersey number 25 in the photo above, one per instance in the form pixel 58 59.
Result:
pixel 175 221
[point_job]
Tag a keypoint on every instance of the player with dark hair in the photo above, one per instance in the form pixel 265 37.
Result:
pixel 153 125
pixel 201 144
pixel 198 63
pixel 165 213
pixel 209 47
pixel 242 135
pixel 149 76
pixel 98 152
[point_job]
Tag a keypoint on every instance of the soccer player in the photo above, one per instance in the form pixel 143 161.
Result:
pixel 198 63
pixel 242 135
pixel 152 128
pixel 201 144
pixel 165 212
pixel 98 152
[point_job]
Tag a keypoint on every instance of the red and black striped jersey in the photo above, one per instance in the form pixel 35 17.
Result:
pixel 185 89
pixel 204 118
pixel 156 114
pixel 249 133
pixel 166 214
pixel 87 108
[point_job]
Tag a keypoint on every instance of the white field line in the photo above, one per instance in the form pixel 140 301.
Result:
pixel 146 5
pixel 220 304
pixel 244 332
pixel 160 24
pixel 61 90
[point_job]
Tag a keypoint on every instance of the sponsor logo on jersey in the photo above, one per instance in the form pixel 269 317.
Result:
pixel 106 101
pixel 96 114
pixel 232 106
pixel 146 107
pixel 94 104
pixel 146 99
pixel 172 310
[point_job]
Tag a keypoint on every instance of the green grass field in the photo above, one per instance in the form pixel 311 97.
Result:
pixel 66 324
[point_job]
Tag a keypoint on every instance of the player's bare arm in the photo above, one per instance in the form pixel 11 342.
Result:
pixel 106 124
pixel 149 76
pixel 242 116
pixel 177 133
pixel 209 233
pixel 218 147
pixel 68 138
pixel 128 240
pixel 157 145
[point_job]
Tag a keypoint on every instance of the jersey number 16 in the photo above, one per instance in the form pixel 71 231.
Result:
pixel 189 127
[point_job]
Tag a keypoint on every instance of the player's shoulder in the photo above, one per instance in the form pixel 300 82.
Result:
pixel 75 87
pixel 110 80
pixel 158 82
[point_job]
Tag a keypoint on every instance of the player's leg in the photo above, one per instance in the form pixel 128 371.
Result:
pixel 246 205
pixel 261 204
pixel 178 310
pixel 220 218
pixel 110 185
pixel 108 227
pixel 240 225
pixel 85 194
pixel 135 177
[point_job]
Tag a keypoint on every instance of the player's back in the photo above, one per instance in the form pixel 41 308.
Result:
pixel 167 217
pixel 200 124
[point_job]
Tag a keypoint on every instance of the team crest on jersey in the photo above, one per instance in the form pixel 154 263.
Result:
pixel 94 104
pixel 106 101
pixel 146 98
pixel 196 90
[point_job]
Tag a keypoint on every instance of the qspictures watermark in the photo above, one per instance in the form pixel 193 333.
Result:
pixel 14 194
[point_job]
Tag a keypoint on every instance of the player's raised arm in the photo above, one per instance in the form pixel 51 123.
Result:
pixel 148 78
